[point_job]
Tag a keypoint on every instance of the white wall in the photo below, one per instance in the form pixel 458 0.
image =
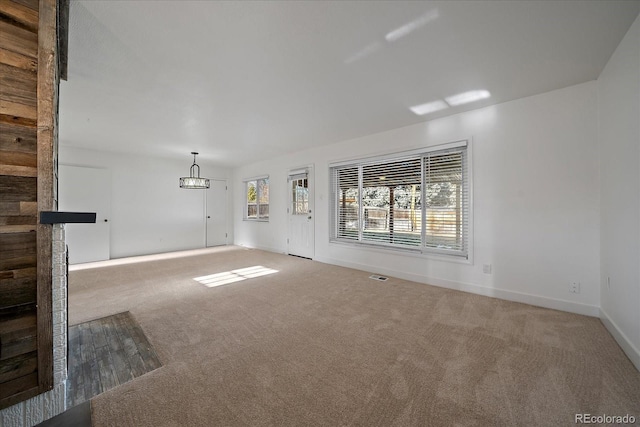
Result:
pixel 535 190
pixel 149 212
pixel 619 139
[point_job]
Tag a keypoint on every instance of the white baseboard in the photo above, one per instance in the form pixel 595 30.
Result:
pixel 627 346
pixel 261 248
pixel 569 306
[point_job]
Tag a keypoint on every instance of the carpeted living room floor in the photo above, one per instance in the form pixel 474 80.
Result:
pixel 314 344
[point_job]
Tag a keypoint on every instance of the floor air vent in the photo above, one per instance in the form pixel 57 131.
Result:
pixel 378 278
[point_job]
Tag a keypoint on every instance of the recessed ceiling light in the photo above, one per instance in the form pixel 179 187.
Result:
pixel 410 27
pixel 466 97
pixel 429 107
pixel 363 53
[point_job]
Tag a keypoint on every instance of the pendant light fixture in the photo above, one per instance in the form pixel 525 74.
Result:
pixel 193 181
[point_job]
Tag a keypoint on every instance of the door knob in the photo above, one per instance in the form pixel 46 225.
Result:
pixel 106 220
pixel 208 216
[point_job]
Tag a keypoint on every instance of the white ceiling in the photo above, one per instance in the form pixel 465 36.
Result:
pixel 242 81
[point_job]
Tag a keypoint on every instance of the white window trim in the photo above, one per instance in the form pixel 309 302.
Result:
pixel 399 154
pixel 245 182
pixel 408 251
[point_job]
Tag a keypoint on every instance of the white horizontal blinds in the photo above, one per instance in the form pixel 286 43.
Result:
pixel 345 200
pixel 446 201
pixel 391 201
pixel 418 201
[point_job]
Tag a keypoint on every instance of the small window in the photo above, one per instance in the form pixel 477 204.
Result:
pixel 300 196
pixel 257 191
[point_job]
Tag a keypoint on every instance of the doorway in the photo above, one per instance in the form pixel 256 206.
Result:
pixel 300 240
pixel 83 189
pixel 216 216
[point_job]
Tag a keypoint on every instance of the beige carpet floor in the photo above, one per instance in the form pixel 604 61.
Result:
pixel 315 344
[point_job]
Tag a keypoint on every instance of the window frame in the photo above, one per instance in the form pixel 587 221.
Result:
pixel 258 204
pixel 463 256
pixel 294 201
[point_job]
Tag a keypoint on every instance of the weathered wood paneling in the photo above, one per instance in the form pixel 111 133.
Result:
pixel 25 16
pixel 18 263
pixel 16 137
pixel 18 86
pixel 19 61
pixel 19 273
pixel 19 352
pixel 12 387
pixel 18 334
pixel 28 208
pixel 18 170
pixel 28 121
pixel 18 159
pixel 18 40
pixel 17 220
pixel 31 4
pixel 15 292
pixel 17 228
pixel 18 366
pixel 18 121
pixel 18 189
pixel 17 245
pixel 19 342
pixel 17 164
pixel 19 208
pixel 15 319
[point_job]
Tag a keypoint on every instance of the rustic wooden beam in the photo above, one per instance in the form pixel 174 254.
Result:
pixel 47 139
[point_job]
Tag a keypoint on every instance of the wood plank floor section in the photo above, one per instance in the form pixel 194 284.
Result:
pixel 105 353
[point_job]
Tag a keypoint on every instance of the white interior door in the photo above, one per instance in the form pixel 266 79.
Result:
pixel 301 213
pixel 83 189
pixel 217 213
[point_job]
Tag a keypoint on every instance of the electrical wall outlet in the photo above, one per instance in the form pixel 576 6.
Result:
pixel 574 287
pixel 486 268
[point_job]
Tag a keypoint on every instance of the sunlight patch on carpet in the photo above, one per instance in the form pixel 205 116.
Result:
pixel 228 277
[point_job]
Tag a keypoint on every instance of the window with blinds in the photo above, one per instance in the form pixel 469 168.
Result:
pixel 418 202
